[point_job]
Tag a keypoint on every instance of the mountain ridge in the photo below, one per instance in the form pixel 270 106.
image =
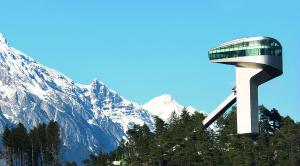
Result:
pixel 92 117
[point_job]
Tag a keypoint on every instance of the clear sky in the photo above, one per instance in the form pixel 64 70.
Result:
pixel 143 49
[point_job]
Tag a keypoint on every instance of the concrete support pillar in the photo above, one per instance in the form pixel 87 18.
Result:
pixel 247 100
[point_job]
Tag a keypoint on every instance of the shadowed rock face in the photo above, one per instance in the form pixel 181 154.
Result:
pixel 2 39
pixel 92 117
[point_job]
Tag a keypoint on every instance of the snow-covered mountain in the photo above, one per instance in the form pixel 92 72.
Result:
pixel 163 106
pixel 92 117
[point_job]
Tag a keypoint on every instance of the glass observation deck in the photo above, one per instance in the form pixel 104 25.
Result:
pixel 247 47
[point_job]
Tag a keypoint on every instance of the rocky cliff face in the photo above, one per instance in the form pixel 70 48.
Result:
pixel 92 117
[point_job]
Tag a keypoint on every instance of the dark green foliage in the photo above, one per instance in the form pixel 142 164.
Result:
pixel 39 146
pixel 185 142
pixel 273 146
pixel 99 160
pixel 67 163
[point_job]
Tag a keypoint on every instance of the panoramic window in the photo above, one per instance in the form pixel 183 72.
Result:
pixel 251 48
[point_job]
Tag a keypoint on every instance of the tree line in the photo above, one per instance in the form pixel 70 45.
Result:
pixel 183 141
pixel 36 147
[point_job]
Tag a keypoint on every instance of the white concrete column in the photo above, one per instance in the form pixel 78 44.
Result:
pixel 247 100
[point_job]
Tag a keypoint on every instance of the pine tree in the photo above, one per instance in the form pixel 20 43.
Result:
pixel 53 142
pixel 157 145
pixel 8 143
pixel 160 126
pixel 20 143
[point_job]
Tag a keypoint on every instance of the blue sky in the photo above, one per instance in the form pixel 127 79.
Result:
pixel 143 49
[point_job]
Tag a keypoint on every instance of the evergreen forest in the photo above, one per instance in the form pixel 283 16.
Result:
pixel 183 141
pixel 37 147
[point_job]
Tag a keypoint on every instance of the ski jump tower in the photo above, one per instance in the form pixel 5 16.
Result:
pixel 257 60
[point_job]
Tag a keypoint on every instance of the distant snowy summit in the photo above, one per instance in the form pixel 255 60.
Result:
pixel 91 117
pixel 163 106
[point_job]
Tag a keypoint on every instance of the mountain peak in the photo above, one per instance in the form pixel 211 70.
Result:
pixel 165 98
pixel 95 82
pixel 2 39
pixel 162 101
pixel 163 106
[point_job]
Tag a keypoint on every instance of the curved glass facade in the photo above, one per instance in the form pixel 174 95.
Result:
pixel 267 46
